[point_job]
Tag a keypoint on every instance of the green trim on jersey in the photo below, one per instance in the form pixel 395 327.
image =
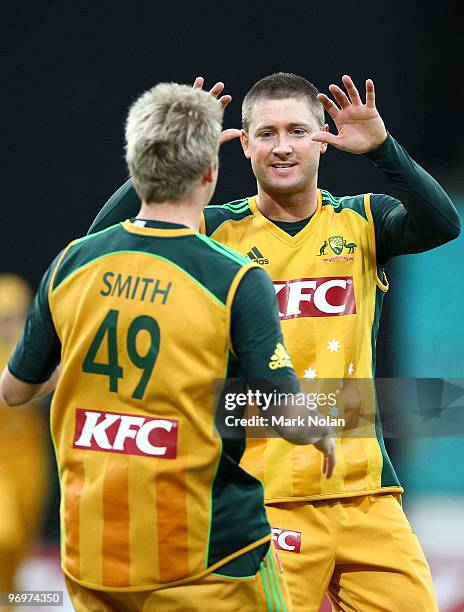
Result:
pixel 216 215
pixel 354 203
pixel 220 248
pixel 388 476
pixel 194 257
pixel 234 488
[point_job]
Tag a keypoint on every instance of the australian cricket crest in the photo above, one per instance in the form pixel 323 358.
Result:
pixel 337 244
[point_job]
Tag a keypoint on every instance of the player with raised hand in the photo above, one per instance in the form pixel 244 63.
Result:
pixel 326 257
pixel 156 513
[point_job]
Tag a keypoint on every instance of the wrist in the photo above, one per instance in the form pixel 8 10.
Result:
pixel 380 150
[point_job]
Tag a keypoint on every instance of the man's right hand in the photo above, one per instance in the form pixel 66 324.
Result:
pixel 225 100
pixel 326 445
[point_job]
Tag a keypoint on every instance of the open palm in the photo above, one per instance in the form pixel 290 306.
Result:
pixel 360 127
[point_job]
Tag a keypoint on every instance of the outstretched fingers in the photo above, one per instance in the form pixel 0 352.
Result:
pixel 325 137
pixel 225 100
pixel 198 83
pixel 329 105
pixel 370 93
pixel 229 134
pixel 352 90
pixel 215 91
pixel 340 96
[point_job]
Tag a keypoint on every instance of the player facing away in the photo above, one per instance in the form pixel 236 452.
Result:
pixel 156 513
pixel 326 255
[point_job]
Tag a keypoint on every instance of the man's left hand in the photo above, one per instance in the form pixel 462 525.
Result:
pixel 360 127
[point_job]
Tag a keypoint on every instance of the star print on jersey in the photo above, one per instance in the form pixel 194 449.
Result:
pixel 351 369
pixel 310 373
pixel 334 411
pixel 333 345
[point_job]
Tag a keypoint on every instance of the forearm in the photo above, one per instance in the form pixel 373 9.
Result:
pixel 428 218
pixel 15 392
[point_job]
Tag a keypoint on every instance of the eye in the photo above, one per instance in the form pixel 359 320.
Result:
pixel 265 135
pixel 298 132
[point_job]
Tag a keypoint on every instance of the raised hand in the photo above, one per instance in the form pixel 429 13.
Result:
pixel 360 127
pixel 225 100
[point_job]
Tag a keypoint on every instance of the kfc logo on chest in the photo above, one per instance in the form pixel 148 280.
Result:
pixel 287 540
pixel 315 297
pixel 126 433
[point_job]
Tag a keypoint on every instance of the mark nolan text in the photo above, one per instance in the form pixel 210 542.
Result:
pixel 281 421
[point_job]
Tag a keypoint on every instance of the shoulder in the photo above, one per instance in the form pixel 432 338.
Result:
pixel 216 215
pixel 355 204
pixel 223 255
pixel 83 250
pixel 217 267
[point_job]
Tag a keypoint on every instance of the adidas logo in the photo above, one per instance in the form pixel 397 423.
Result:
pixel 256 256
pixel 280 358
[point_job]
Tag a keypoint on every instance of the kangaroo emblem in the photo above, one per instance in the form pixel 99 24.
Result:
pixel 322 249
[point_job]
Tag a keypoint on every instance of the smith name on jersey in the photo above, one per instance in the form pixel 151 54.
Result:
pixel 329 291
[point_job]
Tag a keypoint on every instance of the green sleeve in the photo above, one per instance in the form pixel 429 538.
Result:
pixel 256 332
pixel 123 204
pixel 421 218
pixel 38 351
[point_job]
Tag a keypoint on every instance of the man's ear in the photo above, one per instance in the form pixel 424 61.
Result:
pixel 245 143
pixel 324 145
pixel 209 174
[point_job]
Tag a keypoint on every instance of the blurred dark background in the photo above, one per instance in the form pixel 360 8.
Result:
pixel 70 71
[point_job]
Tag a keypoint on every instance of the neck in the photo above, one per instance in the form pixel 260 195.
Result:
pixel 185 212
pixel 287 207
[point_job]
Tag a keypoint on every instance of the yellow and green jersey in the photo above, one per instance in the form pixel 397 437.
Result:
pixel 141 316
pixel 329 294
pixel 328 279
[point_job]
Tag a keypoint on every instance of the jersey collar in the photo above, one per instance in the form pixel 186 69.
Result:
pixel 165 230
pixel 267 225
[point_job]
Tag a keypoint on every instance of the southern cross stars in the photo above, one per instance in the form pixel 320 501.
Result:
pixel 310 373
pixel 333 345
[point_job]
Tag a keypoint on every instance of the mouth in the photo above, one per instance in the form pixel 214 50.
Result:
pixel 282 167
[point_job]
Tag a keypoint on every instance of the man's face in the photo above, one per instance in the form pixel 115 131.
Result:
pixel 284 158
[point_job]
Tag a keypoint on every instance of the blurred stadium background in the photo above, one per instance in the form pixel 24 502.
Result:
pixel 69 73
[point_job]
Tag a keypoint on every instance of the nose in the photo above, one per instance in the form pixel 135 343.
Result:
pixel 282 147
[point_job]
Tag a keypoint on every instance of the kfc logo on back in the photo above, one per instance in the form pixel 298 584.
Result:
pixel 315 297
pixel 287 540
pixel 126 433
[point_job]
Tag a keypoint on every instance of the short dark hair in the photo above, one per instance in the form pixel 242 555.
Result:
pixel 279 86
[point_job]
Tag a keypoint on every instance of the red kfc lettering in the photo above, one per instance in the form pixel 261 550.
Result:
pixel 315 297
pixel 287 540
pixel 126 433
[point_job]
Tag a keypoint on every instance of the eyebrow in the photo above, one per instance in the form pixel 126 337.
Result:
pixel 288 125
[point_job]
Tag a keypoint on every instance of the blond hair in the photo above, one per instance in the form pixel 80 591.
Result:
pixel 172 134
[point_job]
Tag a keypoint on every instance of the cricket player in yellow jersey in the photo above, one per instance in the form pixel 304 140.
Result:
pixel 346 536
pixel 24 461
pixel 156 513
